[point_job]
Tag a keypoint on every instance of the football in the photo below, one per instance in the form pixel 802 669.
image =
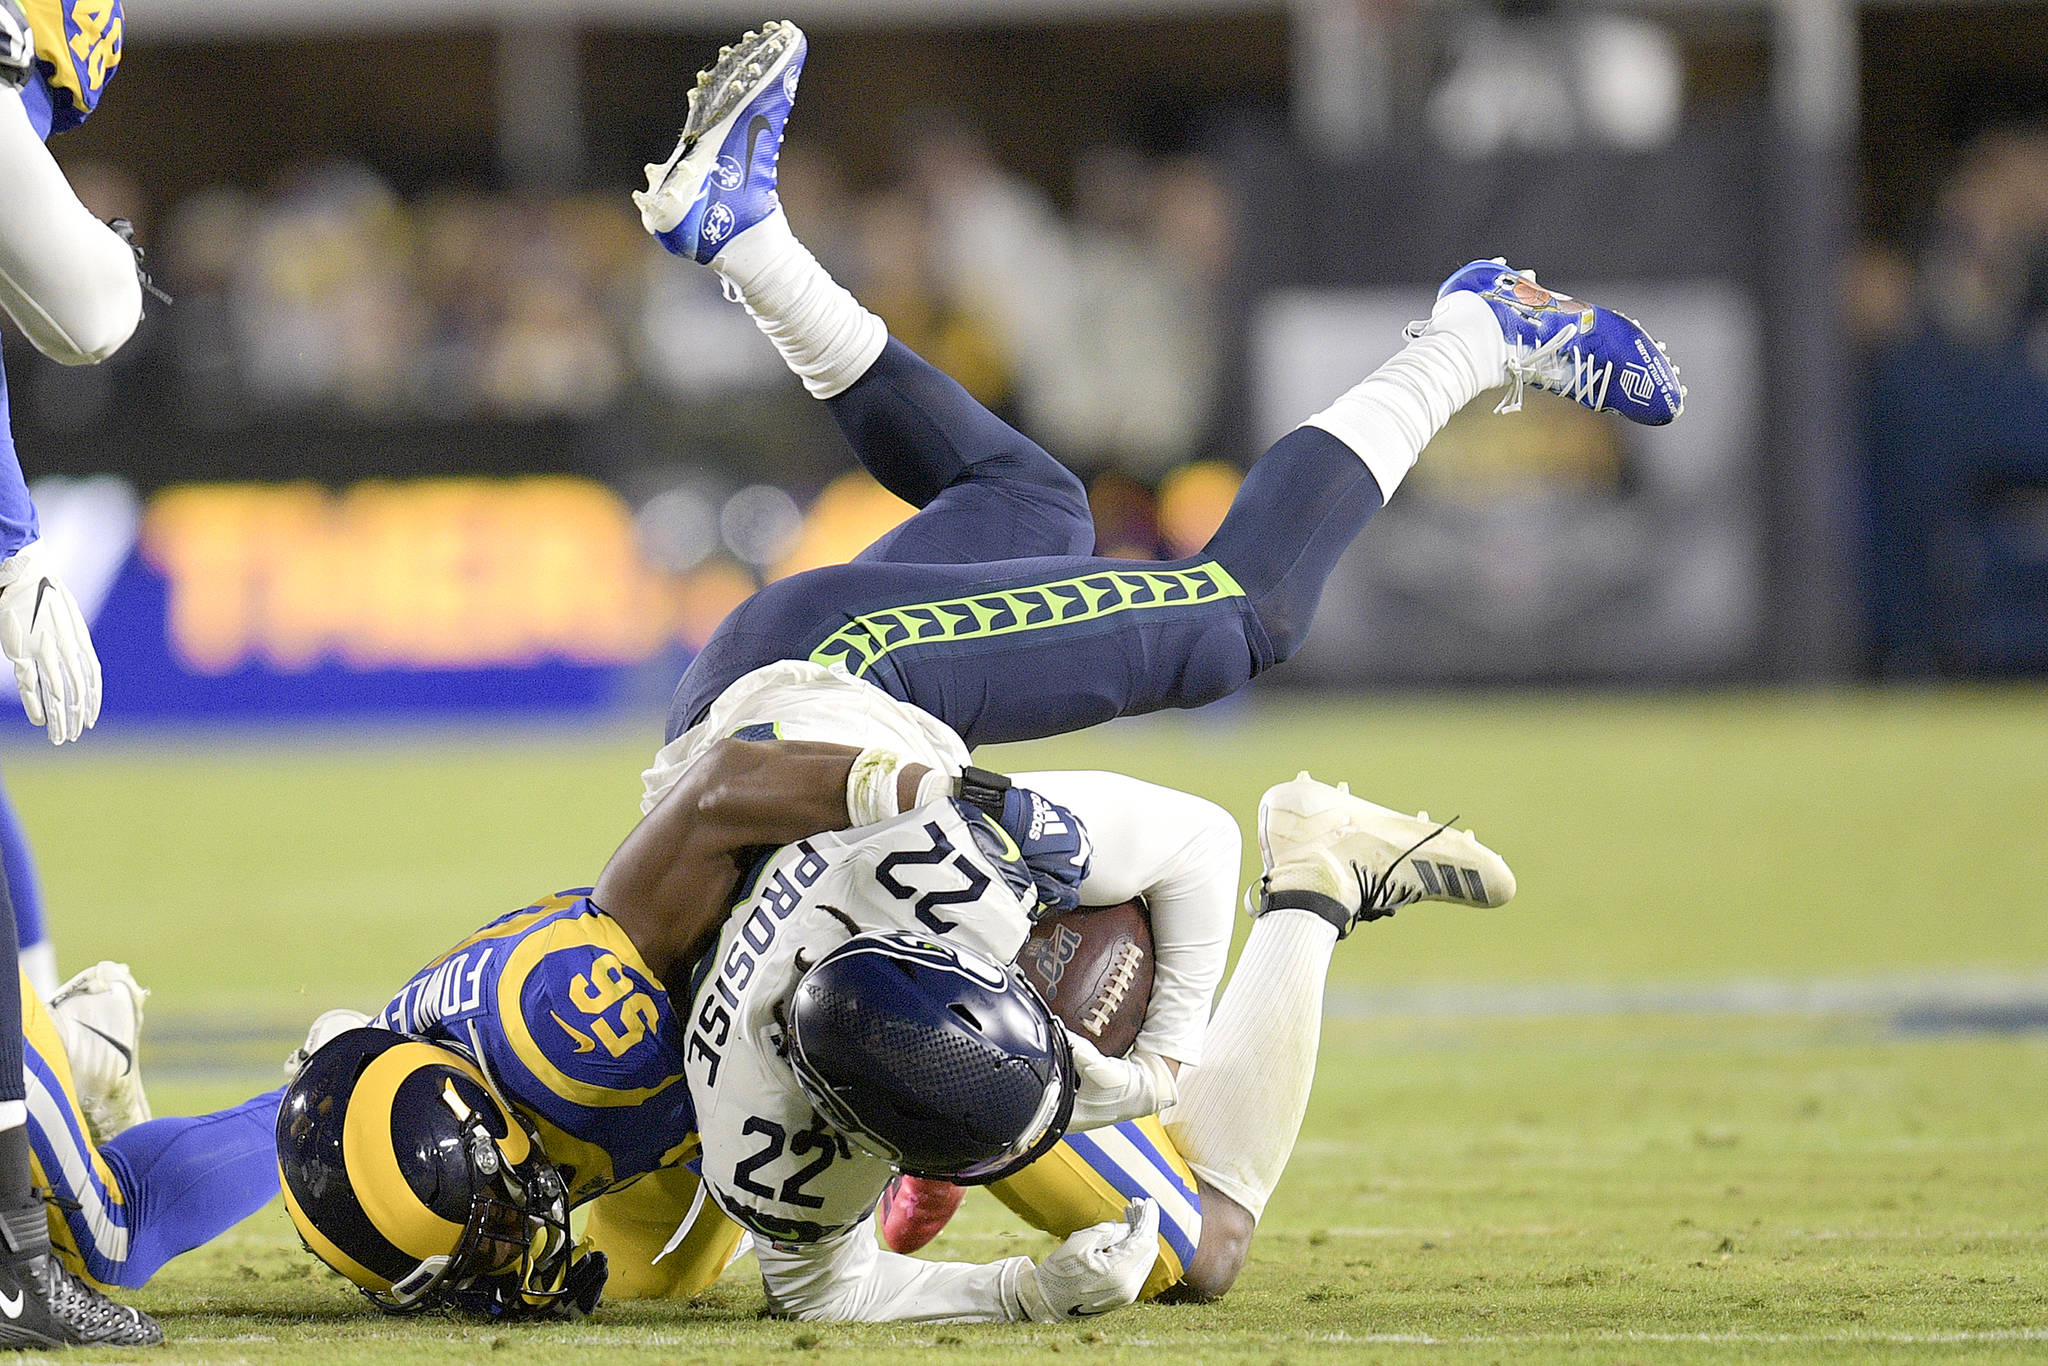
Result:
pixel 1094 968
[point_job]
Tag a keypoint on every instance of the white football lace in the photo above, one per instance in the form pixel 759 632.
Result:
pixel 1557 367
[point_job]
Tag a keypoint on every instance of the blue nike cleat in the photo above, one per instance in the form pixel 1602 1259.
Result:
pixel 721 179
pixel 1580 351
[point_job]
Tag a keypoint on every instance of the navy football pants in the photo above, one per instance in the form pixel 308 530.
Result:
pixel 987 609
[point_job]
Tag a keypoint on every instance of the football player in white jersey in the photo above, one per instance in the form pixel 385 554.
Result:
pixel 856 1015
pixel 983 617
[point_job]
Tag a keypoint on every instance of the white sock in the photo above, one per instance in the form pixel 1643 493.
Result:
pixel 13 1114
pixel 1393 414
pixel 1240 1111
pixel 39 965
pixel 822 331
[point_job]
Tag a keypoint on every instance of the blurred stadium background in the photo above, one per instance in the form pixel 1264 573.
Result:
pixel 421 354
pixel 401 522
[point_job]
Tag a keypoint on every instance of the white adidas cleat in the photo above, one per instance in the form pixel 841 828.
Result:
pixel 1322 843
pixel 98 1014
pixel 326 1026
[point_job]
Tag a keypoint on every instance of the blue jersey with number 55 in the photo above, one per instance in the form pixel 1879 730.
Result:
pixel 78 45
pixel 556 1005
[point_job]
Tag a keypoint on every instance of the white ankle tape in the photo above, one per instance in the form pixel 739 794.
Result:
pixel 823 333
pixel 1388 418
pixel 13 1114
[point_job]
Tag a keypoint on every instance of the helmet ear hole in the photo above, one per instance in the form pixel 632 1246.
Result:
pixel 965 1015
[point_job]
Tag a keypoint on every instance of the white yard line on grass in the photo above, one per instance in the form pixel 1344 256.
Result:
pixel 1734 1337
pixel 200 1047
pixel 602 1335
pixel 1960 991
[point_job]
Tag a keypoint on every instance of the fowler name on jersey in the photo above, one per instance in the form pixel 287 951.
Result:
pixel 556 1006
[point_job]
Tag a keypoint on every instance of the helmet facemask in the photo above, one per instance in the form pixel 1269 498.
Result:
pixel 516 1246
pixel 403 1170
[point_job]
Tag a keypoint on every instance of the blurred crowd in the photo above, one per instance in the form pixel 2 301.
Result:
pixel 1096 328
pixel 1957 419
pixel 330 301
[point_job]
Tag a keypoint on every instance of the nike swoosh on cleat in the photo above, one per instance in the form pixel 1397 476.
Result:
pixel 127 1053
pixel 41 589
pixel 12 1307
pixel 755 128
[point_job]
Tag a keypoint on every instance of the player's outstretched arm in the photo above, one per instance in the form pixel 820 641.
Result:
pixel 67 279
pixel 850 1279
pixel 670 883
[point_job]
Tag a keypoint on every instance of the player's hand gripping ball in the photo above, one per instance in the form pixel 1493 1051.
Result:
pixel 1054 845
pixel 1093 966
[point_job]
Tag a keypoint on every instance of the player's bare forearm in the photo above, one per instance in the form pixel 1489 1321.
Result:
pixel 671 881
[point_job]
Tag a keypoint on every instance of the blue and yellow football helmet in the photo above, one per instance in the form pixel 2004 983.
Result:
pixel 403 1172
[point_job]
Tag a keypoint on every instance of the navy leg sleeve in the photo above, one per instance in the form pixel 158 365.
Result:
pixel 1300 508
pixel 1019 649
pixel 1005 651
pixel 11 1084
pixel 985 491
pixel 23 884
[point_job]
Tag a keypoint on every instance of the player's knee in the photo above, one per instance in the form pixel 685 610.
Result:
pixel 1227 1229
pixel 1055 493
pixel 1062 484
pixel 1286 626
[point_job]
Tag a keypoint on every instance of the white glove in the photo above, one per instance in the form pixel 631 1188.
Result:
pixel 1111 1090
pixel 43 634
pixel 1100 1268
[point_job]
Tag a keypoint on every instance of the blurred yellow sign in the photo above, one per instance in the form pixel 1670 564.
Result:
pixel 420 574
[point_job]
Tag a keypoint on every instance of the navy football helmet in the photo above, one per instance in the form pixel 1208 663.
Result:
pixel 402 1172
pixel 933 1057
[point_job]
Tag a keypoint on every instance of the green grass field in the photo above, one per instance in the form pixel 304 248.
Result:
pixel 1553 1182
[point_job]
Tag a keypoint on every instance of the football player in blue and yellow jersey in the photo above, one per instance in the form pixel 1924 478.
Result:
pixel 434 1155
pixel 983 617
pixel 70 283
pixel 550 1042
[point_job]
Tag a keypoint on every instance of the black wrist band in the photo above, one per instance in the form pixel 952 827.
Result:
pixel 983 790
